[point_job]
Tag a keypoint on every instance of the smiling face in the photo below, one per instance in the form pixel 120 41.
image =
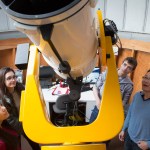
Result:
pixel 10 80
pixel 146 82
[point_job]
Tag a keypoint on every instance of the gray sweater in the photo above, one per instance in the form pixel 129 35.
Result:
pixel 138 119
pixel 126 88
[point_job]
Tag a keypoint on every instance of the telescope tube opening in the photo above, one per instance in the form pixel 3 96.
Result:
pixel 37 7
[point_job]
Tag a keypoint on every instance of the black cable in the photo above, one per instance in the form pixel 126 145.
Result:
pixel 120 42
pixel 111 30
pixel 84 114
pixel 56 52
pixel 46 31
pixel 117 45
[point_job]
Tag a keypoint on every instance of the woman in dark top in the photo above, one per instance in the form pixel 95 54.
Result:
pixel 8 138
pixel 10 94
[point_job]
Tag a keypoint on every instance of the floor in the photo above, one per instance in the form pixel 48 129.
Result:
pixel 115 144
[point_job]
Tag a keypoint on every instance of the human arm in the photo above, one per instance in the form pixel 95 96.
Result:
pixel 13 121
pixel 127 119
pixel 97 98
pixel 125 126
pixel 126 122
pixel 98 88
pixel 101 79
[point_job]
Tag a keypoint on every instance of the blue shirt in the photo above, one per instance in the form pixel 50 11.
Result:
pixel 138 119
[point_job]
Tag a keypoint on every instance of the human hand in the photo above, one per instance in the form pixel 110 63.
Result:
pixel 121 136
pixel 143 145
pixel 98 100
pixel 94 89
pixel 3 113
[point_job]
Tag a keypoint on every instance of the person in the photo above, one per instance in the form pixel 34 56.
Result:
pixel 8 138
pixel 126 85
pixel 10 93
pixel 136 129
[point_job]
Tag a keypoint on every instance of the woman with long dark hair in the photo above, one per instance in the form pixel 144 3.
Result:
pixel 10 94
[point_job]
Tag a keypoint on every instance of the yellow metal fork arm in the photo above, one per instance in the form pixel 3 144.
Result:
pixel 39 128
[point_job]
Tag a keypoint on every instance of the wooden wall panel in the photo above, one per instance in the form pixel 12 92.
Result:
pixel 143 65
pixel 12 43
pixel 8 51
pixel 7 58
pixel 136 45
pixel 138 49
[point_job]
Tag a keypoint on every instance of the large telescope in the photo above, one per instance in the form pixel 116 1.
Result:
pixel 63 30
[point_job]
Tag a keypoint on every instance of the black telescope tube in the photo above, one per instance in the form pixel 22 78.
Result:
pixel 30 8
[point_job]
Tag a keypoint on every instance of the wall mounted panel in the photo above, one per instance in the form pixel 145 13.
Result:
pixel 115 12
pixel 3 21
pixel 147 25
pixel 135 15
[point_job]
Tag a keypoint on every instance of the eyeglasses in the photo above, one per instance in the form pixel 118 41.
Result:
pixel 11 77
pixel 146 78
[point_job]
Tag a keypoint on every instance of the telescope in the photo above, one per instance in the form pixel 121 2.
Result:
pixel 67 35
pixel 63 30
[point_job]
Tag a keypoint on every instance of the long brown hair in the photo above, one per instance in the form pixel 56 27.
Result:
pixel 3 89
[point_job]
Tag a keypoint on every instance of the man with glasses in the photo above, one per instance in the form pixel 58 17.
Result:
pixel 136 129
pixel 126 85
